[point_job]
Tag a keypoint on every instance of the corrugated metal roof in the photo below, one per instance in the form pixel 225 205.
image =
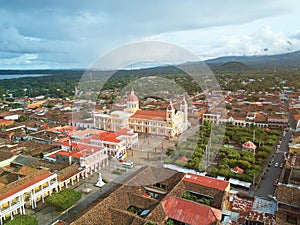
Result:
pixel 190 212
pixel 24 160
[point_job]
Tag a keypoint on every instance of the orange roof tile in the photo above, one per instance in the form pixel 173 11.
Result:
pixel 149 114
pixel 206 181
pixel 109 137
pixel 6 122
pixel 297 117
pixel 67 172
pixel 8 192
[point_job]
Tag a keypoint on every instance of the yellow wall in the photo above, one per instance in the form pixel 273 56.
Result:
pixel 295 150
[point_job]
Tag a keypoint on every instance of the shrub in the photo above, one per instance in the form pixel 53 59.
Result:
pixel 168 160
pixel 23 219
pixel 169 151
pixel 63 199
pixel 180 163
pixel 189 196
pixel 149 223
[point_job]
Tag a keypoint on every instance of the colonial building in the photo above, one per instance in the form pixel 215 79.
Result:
pixel 169 122
pixel 90 157
pixel 21 187
pixel 116 142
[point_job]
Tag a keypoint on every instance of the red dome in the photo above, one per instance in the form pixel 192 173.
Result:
pixel 132 97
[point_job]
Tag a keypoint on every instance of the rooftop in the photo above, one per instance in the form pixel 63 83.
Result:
pixel 206 181
pixel 31 176
pixel 190 212
pixel 289 195
pixel 149 114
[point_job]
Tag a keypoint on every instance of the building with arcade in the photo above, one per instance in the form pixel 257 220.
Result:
pixel 169 122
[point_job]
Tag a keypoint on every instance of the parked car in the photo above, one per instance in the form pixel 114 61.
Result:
pixel 275 183
pixel 276 164
pixel 281 165
pixel 127 164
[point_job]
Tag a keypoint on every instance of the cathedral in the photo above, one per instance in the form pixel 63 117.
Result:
pixel 169 122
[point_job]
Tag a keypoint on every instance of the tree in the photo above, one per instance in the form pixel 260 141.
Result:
pixel 23 219
pixel 63 199
pixel 22 119
pixel 170 151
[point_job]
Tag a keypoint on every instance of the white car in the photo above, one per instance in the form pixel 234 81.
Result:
pixel 276 164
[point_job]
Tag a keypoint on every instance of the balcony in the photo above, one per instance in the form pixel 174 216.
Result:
pixel 45 189
pixel 11 208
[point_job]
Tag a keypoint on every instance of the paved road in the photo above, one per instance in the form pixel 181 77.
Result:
pixel 266 186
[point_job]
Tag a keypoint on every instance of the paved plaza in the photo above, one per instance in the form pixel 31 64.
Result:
pixel 151 151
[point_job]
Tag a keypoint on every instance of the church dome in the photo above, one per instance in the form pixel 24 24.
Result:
pixel 132 97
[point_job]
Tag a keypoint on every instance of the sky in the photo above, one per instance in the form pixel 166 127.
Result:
pixel 54 34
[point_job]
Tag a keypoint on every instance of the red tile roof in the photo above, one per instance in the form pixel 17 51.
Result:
pixel 149 114
pixel 23 186
pixel 190 212
pixel 206 181
pixel 109 137
pixel 6 122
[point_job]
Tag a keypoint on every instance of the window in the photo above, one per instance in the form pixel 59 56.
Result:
pixel 162 186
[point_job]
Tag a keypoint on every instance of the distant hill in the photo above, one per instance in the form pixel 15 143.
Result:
pixel 233 66
pixel 288 61
pixel 281 62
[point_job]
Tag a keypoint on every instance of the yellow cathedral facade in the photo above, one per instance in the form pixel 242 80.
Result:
pixel 169 122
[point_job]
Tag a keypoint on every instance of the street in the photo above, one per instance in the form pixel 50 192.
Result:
pixel 266 187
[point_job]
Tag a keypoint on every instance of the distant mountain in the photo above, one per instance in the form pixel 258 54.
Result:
pixel 233 66
pixel 288 61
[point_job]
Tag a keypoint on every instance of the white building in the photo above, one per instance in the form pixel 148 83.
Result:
pixel 28 186
pixel 167 122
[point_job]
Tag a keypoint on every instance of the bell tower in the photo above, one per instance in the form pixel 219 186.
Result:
pixel 132 103
pixel 184 109
pixel 170 119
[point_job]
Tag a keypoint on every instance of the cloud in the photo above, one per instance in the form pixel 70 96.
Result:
pixel 11 40
pixel 263 42
pixel 76 32
pixel 20 60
